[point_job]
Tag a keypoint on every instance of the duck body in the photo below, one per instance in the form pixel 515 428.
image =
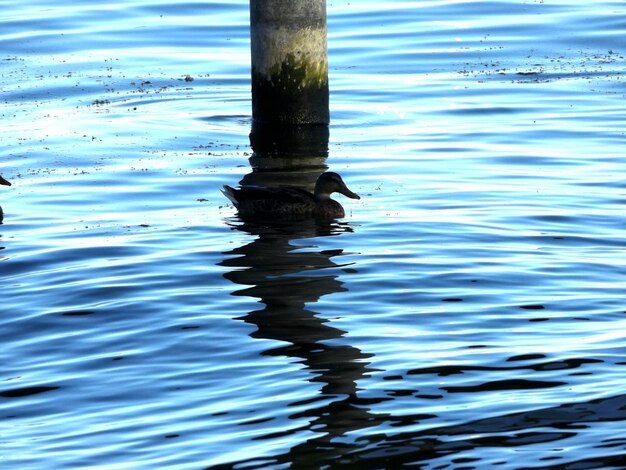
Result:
pixel 289 202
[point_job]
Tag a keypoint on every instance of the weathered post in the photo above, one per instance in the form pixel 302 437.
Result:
pixel 289 61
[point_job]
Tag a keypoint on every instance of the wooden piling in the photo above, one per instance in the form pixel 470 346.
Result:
pixel 289 61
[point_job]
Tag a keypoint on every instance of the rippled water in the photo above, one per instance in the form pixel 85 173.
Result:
pixel 468 312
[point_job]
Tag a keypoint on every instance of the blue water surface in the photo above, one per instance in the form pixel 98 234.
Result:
pixel 468 312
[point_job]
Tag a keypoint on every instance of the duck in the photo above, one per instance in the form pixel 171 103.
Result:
pixel 290 202
pixel 6 183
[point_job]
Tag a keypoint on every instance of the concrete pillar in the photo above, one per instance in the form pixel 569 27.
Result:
pixel 289 61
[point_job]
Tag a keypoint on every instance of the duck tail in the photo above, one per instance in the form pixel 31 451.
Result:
pixel 230 194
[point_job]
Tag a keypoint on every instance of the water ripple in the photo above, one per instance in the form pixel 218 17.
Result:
pixel 469 306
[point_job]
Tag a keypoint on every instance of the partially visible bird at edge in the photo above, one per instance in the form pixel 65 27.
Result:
pixel 290 202
pixel 6 183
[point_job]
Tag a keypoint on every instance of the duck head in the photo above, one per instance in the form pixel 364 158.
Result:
pixel 5 182
pixel 329 183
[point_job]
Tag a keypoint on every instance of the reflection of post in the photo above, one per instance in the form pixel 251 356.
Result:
pixel 289 61
pixel 287 155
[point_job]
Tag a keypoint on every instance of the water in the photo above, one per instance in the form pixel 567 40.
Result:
pixel 467 313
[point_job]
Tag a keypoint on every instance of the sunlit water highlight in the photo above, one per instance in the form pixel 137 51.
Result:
pixel 468 312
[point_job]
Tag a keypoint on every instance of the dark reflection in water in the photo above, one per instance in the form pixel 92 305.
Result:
pixel 512 431
pixel 286 278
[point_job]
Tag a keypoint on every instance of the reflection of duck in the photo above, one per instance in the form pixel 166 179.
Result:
pixel 6 183
pixel 289 201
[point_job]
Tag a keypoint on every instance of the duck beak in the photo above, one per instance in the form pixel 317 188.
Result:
pixel 5 182
pixel 346 192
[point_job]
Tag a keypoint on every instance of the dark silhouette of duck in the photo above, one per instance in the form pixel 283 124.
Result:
pixel 6 183
pixel 289 202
